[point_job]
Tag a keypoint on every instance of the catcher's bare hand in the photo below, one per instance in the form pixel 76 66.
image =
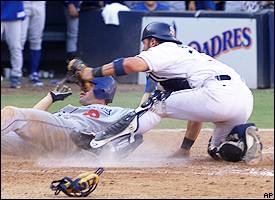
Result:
pixel 60 93
pixel 181 153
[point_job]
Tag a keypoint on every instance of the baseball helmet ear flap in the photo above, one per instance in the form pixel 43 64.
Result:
pixel 105 88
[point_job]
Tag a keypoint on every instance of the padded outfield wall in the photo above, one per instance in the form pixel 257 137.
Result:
pixel 243 41
pixel 238 39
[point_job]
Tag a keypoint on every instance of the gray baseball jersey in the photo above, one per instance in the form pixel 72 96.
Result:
pixel 52 132
pixel 92 118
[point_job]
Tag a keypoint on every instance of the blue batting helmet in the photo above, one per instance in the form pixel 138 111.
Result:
pixel 105 88
pixel 161 31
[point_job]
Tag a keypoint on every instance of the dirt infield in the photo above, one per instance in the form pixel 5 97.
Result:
pixel 148 173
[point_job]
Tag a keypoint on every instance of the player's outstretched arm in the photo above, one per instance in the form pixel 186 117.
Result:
pixel 58 94
pixel 192 132
pixel 44 103
pixel 118 67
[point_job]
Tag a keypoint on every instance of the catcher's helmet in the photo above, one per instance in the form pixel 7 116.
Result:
pixel 161 31
pixel 105 88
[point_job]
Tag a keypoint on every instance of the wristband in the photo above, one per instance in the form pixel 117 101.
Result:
pixel 97 72
pixel 118 66
pixel 187 143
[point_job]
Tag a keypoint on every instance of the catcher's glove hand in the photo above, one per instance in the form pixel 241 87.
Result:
pixel 82 186
pixel 75 68
pixel 60 93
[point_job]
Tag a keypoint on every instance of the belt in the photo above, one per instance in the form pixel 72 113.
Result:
pixel 222 77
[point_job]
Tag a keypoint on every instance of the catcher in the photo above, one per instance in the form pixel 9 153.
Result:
pixel 71 128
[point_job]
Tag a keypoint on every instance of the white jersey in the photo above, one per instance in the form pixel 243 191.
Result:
pixel 170 61
pixel 92 118
pixel 203 89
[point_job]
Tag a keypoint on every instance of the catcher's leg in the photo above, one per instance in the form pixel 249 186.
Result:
pixel 122 144
pixel 130 122
pixel 242 143
pixel 253 154
pixel 124 132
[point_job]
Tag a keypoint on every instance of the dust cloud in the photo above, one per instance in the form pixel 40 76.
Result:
pixel 148 154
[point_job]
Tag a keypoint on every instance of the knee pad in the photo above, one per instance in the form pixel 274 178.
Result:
pixel 242 143
pixel 232 151
pixel 212 150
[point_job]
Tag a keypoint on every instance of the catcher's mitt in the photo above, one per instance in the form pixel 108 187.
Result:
pixel 82 186
pixel 74 67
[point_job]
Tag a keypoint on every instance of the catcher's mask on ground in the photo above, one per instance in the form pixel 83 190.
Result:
pixel 82 186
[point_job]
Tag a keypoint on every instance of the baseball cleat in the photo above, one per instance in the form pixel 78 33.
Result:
pixel 254 147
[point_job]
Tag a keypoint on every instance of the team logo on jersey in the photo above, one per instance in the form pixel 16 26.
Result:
pixel 107 111
pixel 92 113
pixel 227 41
pixel 172 31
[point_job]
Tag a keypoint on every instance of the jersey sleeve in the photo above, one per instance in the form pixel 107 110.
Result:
pixel 156 58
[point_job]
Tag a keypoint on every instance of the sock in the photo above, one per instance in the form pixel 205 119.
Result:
pixel 34 60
